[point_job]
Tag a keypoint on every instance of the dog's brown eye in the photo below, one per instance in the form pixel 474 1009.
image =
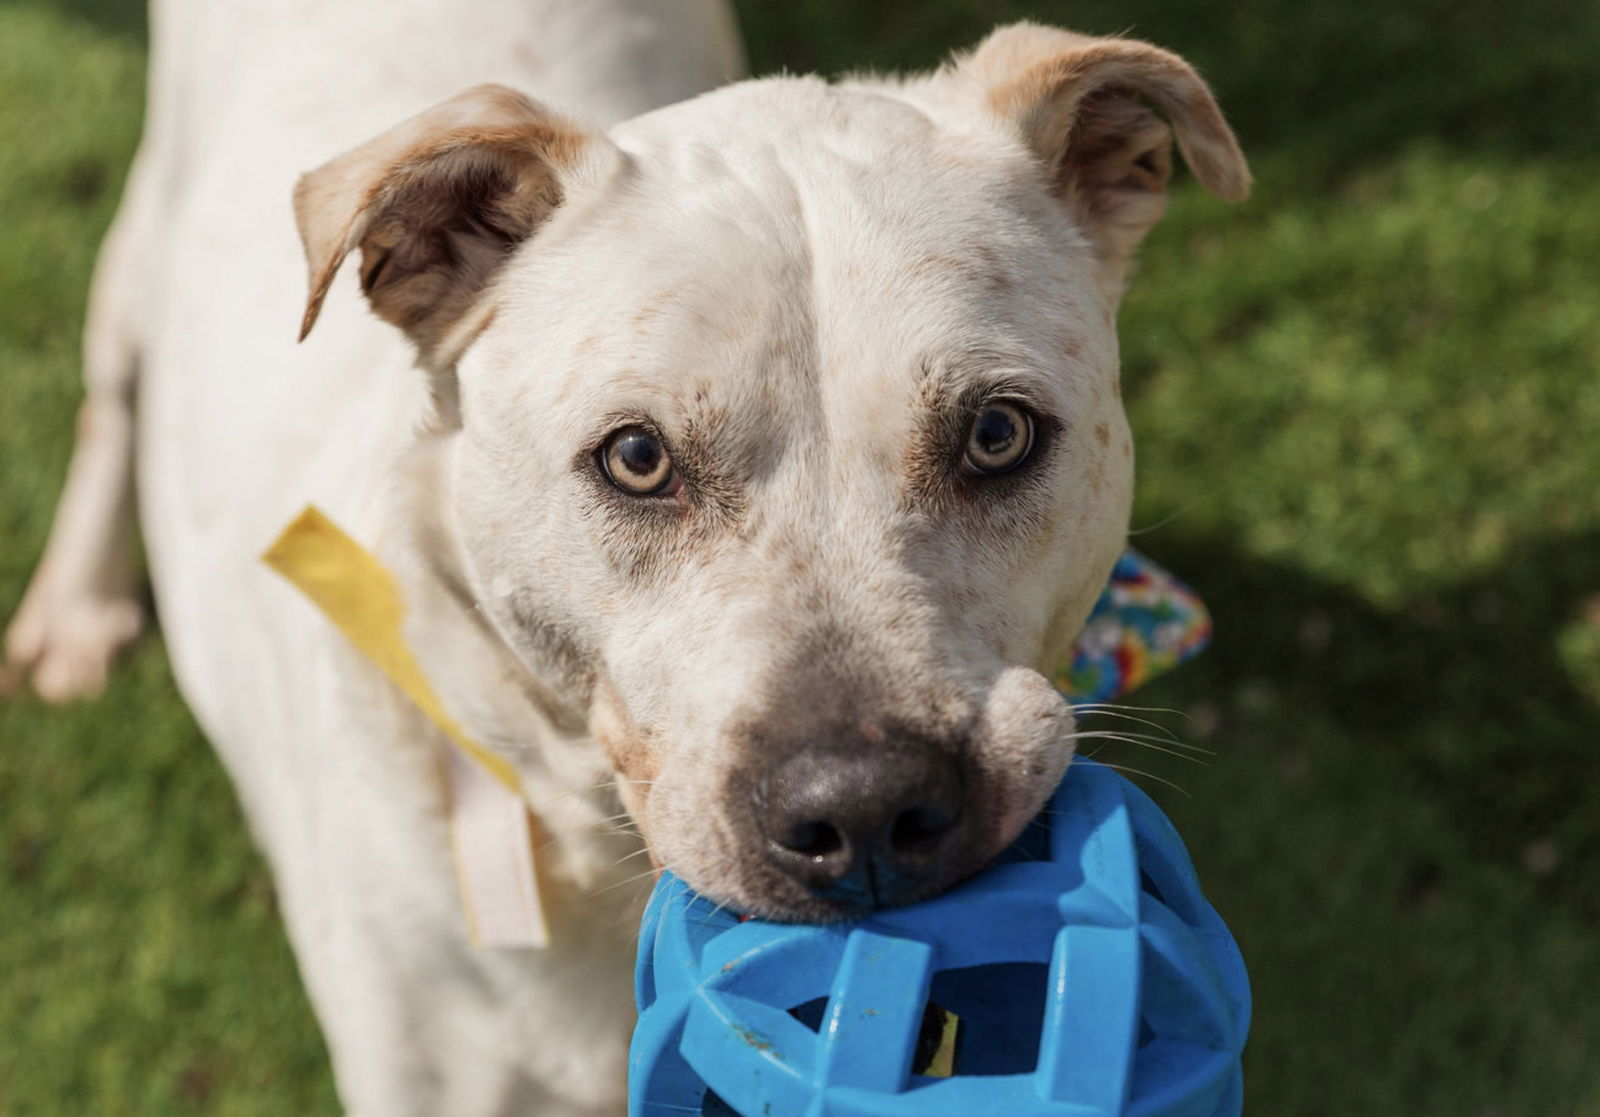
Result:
pixel 635 462
pixel 999 441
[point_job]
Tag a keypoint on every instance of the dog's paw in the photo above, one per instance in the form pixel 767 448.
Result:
pixel 63 643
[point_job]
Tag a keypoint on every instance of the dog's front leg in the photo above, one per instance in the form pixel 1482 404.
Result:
pixel 82 605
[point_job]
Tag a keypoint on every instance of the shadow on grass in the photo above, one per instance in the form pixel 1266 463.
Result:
pixel 1334 85
pixel 123 18
pixel 1494 729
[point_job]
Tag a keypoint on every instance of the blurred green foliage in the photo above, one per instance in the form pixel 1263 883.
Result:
pixel 1368 413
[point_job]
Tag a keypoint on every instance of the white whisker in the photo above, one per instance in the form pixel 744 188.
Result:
pixel 1089 706
pixel 631 856
pixel 1138 740
pixel 647 874
pixel 1167 519
pixel 1140 772
pixel 1119 715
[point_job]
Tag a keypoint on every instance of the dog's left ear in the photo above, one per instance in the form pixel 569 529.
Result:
pixel 437 204
pixel 1079 103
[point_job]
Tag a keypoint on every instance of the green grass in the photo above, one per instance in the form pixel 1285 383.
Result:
pixel 142 968
pixel 1368 405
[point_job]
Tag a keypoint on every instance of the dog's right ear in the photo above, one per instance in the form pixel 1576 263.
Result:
pixel 1080 103
pixel 437 205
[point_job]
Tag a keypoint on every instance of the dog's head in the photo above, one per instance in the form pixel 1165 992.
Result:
pixel 785 430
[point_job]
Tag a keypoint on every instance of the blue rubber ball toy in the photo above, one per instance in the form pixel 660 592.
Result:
pixel 1083 975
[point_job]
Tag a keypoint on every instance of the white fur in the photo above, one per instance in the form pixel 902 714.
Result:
pixel 804 274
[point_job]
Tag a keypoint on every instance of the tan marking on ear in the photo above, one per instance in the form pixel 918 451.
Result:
pixel 325 244
pixel 435 204
pixel 1038 76
pixel 1043 99
pixel 1078 103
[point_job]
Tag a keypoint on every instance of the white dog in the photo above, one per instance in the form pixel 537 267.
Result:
pixel 762 448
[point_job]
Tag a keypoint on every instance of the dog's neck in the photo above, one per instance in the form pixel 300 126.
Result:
pixel 534 719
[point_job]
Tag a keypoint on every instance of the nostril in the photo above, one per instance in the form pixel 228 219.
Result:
pixel 917 828
pixel 815 839
pixel 864 826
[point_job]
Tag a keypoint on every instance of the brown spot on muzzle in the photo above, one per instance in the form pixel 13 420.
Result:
pixel 632 750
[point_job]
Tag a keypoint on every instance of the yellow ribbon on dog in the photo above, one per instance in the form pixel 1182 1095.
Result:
pixel 361 598
pixel 491 828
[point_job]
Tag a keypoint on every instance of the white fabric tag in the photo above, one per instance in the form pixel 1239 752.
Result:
pixel 493 837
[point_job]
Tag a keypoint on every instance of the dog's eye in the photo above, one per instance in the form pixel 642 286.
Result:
pixel 1000 439
pixel 635 462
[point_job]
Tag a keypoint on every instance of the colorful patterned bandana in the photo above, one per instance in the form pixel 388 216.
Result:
pixel 1146 622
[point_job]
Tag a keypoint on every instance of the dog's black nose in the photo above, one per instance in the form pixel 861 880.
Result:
pixel 866 826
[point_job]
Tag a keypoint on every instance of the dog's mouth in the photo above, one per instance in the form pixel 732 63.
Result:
pixel 854 817
pixel 817 874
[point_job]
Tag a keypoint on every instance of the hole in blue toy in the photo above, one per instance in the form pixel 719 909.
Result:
pixel 713 1106
pixel 1148 885
pixel 1033 844
pixel 1180 894
pixel 811 1013
pixel 929 1036
pixel 1001 1008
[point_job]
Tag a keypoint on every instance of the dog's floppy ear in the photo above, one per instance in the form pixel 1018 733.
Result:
pixel 1080 103
pixel 436 205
